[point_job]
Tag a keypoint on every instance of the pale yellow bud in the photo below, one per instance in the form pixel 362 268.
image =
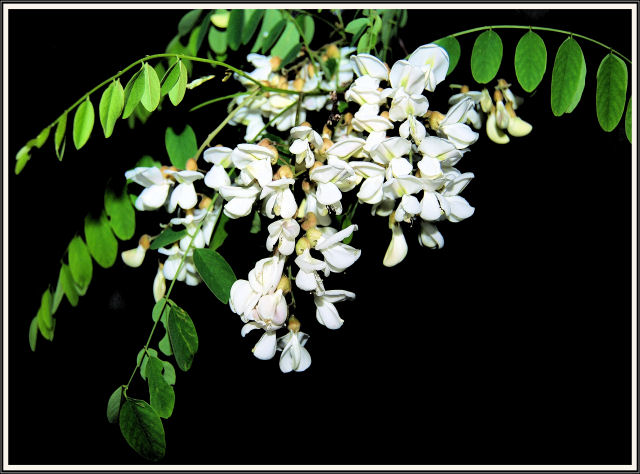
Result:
pixel 285 172
pixel 317 164
pixel 298 84
pixel 333 51
pixel 314 234
pixel 159 284
pixel 385 114
pixel 326 133
pixel 518 127
pixel 326 144
pixel 306 185
pixel 497 96
pixel 464 89
pixel 145 241
pixel 301 245
pixel 434 118
pixel 294 324
pixel 310 221
pixel 305 124
pixel 192 165
pixel 275 62
pixel 205 202
pixel 284 284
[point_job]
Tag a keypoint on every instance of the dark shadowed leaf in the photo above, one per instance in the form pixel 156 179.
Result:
pixel 161 395
pixel 33 333
pixel 220 234
pixel 289 40
pixel 122 216
pixel 251 19
pixel 183 337
pixel 628 119
pixel 142 428
pixel 167 237
pixel 234 30
pixel 215 271
pixel 113 405
pixel 611 91
pixel 307 26
pixel 170 78
pixel 188 21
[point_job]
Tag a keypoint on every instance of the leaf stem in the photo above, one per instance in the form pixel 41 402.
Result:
pixel 541 28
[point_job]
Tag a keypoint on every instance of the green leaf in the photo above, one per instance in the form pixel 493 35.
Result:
pixel 567 77
pixel 160 310
pixel 202 31
pixel 176 94
pixel 142 428
pixel 530 61
pixel 80 262
pixel 151 94
pixel 168 236
pixel 611 90
pixel 122 216
pixel 41 139
pixel 83 123
pixel 165 346
pixel 169 372
pixel 271 19
pixel 147 161
pixel 161 395
pixel 357 26
pixel 180 147
pixel 215 271
pixel 68 285
pixel 289 40
pixel 22 157
pixel 256 224
pixel 403 18
pixel 183 336
pixel 486 56
pixel 307 26
pixel 57 295
pixel 193 40
pixel 291 55
pixel 188 21
pixel 346 222
pixel 101 242
pixel 218 40
pixel 234 30
pixel 170 78
pixel 45 319
pixel 59 136
pixel 220 234
pixel 133 93
pixel 251 19
pixel 627 120
pixel 110 108
pixel 272 35
pixel 113 405
pixel 363 44
pixel 143 360
pixel 33 333
pixel 220 18
pixel 452 47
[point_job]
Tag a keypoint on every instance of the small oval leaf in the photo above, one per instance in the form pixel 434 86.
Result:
pixel 215 271
pixel 530 60
pixel 113 405
pixel 218 40
pixel 101 242
pixel 567 77
pixel 167 237
pixel 110 108
pixel 68 285
pixel 45 319
pixel 122 216
pixel 234 30
pixel 176 94
pixel 180 147
pixel 80 262
pixel 486 56
pixel 270 19
pixel 151 94
pixel 170 78
pixel 33 333
pixel 161 395
pixel 307 26
pixel 59 136
pixel 452 47
pixel 628 119
pixel 272 35
pixel 183 337
pixel 83 123
pixel 611 90
pixel 188 21
pixel 133 93
pixel 142 428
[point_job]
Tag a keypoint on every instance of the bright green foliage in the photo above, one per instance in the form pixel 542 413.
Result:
pixel 256 225
pixel 45 318
pixel 628 120
pixel 165 344
pixel 151 93
pixel 611 91
pixel 161 395
pixel 176 94
pixel 168 236
pixel 68 285
pixel 57 296
pixel 530 61
pixel 234 30
pixel 180 147
pixel 111 105
pixel 23 156
pixel 133 93
pixel 83 123
pixel 59 140
pixel 33 333
pixel 452 47
pixel 113 405
pixel 160 310
pixel 147 161
pixel 217 40
pixel 356 28
pixel 188 21
pixel 183 336
pixel 220 234
pixel 567 78
pixel 41 139
pixel 251 19
pixel 308 27
pixel 486 56
pixel 215 271
pixel 272 25
pixel 122 216
pixel 170 78
pixel 80 262
pixel 220 18
pixel 101 242
pixel 287 43
pixel 142 428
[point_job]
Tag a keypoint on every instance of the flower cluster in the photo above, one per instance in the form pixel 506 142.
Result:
pixel 393 152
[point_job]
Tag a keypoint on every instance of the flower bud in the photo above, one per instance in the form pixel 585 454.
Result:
pixel 275 62
pixel 298 84
pixel 301 245
pixel 313 234
pixel 311 70
pixel 464 89
pixel 493 132
pixel 317 164
pixel 485 101
pixel 434 118
pixel 285 172
pixel 192 165
pixel 310 221
pixel 385 114
pixel 159 284
pixel 294 324
pixel 145 241
pixel 326 144
pixel 518 127
pixel 333 51
pixel 305 124
pixel 284 284
pixel 205 202
pixel 306 185
pixel 497 96
pixel 326 132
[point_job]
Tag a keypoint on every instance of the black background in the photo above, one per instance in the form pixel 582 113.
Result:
pixel 510 345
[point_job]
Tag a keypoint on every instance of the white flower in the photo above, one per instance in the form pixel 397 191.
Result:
pixel 278 199
pixel 430 236
pixel 366 64
pixel 326 312
pixel 217 176
pixel 276 105
pixel 294 356
pixel 262 71
pixel 333 177
pixel 409 206
pixel 304 137
pixel 364 90
pixel 284 233
pixel 473 116
pixel 266 274
pixel 187 273
pixel 371 188
pixel 344 71
pixel 265 348
pixel 310 204
pixel 453 128
pixel 440 149
pixel 249 115
pixel 255 160
pixel 184 193
pixel 134 257
pixel 156 187
pixel 397 250
pixel 243 298
pixel 413 127
pixel 366 119
pixel 307 278
pixel 337 255
pixel 240 199
pixel 434 63
pixel 390 148
pixel 345 148
pixel 446 203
